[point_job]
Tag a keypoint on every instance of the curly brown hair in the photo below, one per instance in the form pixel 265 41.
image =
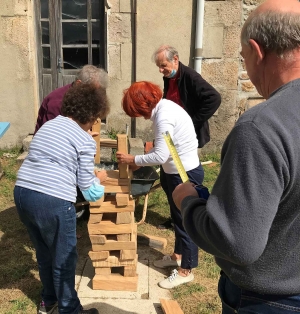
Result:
pixel 85 103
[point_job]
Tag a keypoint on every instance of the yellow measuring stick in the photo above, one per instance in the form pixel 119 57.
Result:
pixel 177 161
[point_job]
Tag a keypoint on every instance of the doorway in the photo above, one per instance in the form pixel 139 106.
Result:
pixel 70 34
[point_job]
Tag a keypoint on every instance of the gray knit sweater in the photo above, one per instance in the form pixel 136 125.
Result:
pixel 251 222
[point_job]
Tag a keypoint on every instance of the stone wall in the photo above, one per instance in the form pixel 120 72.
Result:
pixel 172 23
pixel 248 95
pixel 18 88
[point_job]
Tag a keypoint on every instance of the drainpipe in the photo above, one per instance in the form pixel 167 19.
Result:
pixel 199 35
pixel 133 10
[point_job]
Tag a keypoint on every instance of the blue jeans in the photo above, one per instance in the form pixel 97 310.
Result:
pixel 236 300
pixel 183 243
pixel 51 224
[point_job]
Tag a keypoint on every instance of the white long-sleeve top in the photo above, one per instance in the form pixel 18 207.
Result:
pixel 168 116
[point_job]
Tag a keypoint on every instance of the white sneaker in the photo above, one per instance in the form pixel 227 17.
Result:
pixel 175 280
pixel 167 261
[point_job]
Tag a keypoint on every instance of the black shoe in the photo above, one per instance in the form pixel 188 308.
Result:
pixel 90 311
pixel 166 225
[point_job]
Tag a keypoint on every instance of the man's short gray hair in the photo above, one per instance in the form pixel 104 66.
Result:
pixel 274 31
pixel 91 74
pixel 170 52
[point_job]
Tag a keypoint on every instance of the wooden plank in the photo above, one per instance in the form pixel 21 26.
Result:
pixel 124 237
pixel 152 241
pixel 95 218
pixel 114 179
pixel 108 142
pixel 111 207
pixel 130 271
pixel 98 239
pixel 114 261
pixel 122 141
pixel 98 202
pixel 122 199
pixel 124 218
pixel 108 227
pixel 97 128
pixel 116 189
pixel 103 270
pixel 127 254
pixel 170 307
pixel 115 282
pixel 102 255
pixel 111 245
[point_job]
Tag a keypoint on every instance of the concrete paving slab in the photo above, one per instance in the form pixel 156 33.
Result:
pixel 113 306
pixel 85 286
pixel 144 301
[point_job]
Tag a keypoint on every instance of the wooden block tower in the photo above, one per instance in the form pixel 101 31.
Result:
pixel 113 232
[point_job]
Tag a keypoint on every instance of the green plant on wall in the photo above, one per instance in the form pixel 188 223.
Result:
pixel 112 133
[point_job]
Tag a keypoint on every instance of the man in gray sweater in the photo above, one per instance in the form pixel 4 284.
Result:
pixel 251 221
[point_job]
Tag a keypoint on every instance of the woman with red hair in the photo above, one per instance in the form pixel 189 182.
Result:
pixel 144 99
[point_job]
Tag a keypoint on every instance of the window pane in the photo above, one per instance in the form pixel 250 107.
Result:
pixel 46 58
pixel 75 58
pixel 74 9
pixel 44 9
pixel 45 32
pixel 96 33
pixel 95 9
pixel 74 33
pixel 96 57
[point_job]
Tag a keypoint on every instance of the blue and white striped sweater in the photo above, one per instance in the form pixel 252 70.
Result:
pixel 61 156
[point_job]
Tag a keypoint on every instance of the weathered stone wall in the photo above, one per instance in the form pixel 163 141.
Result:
pixel 18 102
pixel 248 95
pixel 156 23
pixel 175 24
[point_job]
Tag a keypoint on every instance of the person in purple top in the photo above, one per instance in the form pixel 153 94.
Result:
pixel 51 105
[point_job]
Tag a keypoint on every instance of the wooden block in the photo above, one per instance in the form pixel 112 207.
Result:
pixel 97 128
pixel 129 237
pixel 115 245
pixel 122 142
pixel 111 207
pixel 103 270
pixel 95 256
pixel 116 188
pixel 95 218
pixel 127 254
pixel 98 239
pixel 124 237
pixel 124 218
pixel 115 282
pixel 98 202
pixel 108 142
pixel 122 199
pixel 108 227
pixel 114 261
pixel 114 179
pixel 170 307
pixel 152 241
pixel 130 271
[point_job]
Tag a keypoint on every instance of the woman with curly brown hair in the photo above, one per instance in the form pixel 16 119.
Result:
pixel 61 157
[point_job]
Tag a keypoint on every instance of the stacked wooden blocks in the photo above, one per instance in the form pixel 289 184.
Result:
pixel 113 232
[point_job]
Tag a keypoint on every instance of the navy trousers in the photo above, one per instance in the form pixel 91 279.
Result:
pixel 51 224
pixel 183 243
pixel 237 300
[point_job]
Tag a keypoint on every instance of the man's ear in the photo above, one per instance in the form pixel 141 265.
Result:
pixel 258 50
pixel 175 58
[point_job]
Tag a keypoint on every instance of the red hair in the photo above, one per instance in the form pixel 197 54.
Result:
pixel 140 99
